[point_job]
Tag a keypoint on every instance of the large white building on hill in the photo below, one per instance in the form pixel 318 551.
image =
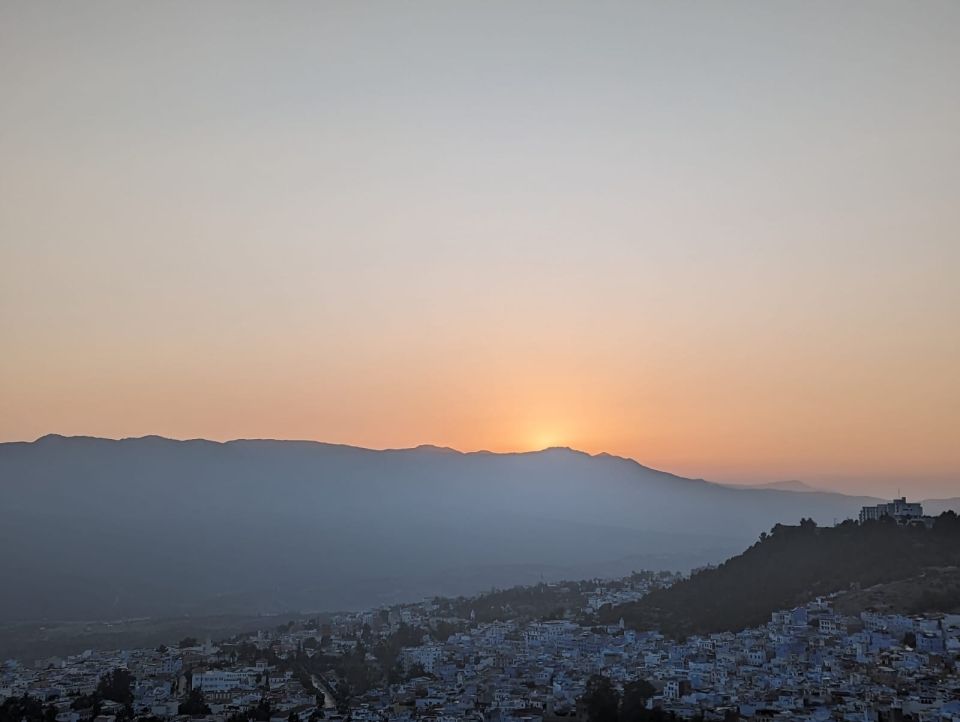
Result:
pixel 901 510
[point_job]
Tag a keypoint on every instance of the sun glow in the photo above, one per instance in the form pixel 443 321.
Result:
pixel 546 437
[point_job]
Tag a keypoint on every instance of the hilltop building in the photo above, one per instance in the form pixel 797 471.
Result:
pixel 902 511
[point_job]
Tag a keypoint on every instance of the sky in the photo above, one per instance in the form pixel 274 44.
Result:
pixel 722 239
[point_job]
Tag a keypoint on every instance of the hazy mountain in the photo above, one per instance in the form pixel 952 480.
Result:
pixel 938 506
pixel 786 485
pixel 96 528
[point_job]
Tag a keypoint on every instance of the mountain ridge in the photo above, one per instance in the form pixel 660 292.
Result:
pixel 104 528
pixel 787 485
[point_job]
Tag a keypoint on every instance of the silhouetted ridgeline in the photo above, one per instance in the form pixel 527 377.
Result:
pixel 103 529
pixel 789 566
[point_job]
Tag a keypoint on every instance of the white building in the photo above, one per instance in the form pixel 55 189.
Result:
pixel 217 680
pixel 899 509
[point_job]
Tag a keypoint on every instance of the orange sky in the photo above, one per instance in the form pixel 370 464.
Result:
pixel 723 243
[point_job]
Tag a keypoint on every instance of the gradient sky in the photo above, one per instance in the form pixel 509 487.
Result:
pixel 721 238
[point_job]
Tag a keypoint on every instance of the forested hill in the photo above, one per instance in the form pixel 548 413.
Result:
pixel 788 566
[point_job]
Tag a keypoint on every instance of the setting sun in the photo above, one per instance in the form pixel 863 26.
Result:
pixel 567 238
pixel 546 438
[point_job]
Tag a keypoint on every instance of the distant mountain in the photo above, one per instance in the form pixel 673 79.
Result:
pixel 935 507
pixel 796 563
pixel 787 485
pixel 101 529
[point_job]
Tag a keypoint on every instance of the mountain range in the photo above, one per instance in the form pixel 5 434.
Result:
pixel 99 529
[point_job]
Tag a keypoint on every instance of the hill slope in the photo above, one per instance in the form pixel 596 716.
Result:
pixel 790 566
pixel 98 529
pixel 935 589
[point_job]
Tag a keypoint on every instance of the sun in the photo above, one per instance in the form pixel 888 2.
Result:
pixel 545 438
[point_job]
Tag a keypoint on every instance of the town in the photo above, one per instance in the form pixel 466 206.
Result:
pixel 510 656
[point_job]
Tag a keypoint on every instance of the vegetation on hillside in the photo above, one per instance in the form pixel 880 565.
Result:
pixel 540 601
pixel 26 709
pixel 935 589
pixel 790 565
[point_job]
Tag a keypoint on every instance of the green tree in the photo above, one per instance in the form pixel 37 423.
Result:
pixel 194 705
pixel 601 700
pixel 116 686
pixel 635 696
pixel 261 712
pixel 22 709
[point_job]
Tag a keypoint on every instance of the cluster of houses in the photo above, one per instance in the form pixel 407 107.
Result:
pixel 808 663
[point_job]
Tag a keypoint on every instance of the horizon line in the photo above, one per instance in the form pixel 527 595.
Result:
pixel 753 486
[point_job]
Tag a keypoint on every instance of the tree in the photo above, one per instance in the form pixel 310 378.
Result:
pixel 116 686
pixel 601 699
pixel 17 709
pixel 261 712
pixel 635 696
pixel 188 642
pixel 90 702
pixel 194 705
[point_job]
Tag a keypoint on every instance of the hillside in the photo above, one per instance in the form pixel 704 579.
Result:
pixel 103 529
pixel 935 589
pixel 791 565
